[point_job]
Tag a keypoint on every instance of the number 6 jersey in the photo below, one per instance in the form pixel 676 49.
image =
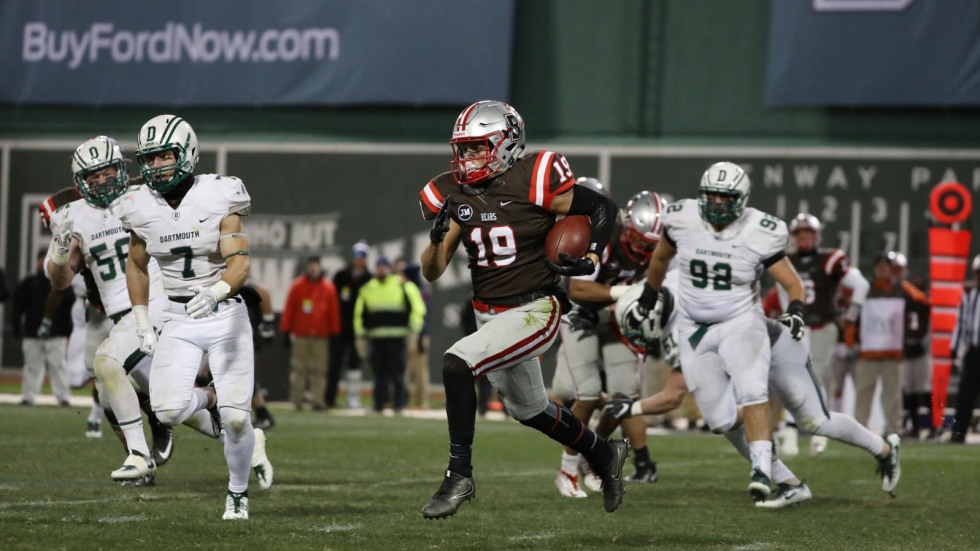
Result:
pixel 504 222
pixel 720 271
pixel 104 245
pixel 184 240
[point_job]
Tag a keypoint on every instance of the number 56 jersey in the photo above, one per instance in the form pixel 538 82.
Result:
pixel 184 240
pixel 104 245
pixel 720 271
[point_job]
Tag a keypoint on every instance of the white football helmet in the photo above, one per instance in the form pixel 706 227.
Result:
pixel 592 183
pixel 167 133
pixel 642 227
pixel 639 331
pixel 96 154
pixel 495 125
pixel 726 179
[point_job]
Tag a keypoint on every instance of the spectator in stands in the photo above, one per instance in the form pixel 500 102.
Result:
pixel 386 313
pixel 417 345
pixel 965 347
pixel 310 317
pixel 882 340
pixel 343 352
pixel 44 340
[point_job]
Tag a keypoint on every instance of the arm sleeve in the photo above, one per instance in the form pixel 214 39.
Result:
pixel 601 212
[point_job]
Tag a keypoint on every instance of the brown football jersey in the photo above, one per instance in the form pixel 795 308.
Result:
pixel 821 273
pixel 505 222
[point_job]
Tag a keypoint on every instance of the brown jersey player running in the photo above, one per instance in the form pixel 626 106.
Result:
pixel 500 203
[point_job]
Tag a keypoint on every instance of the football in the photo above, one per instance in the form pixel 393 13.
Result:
pixel 572 234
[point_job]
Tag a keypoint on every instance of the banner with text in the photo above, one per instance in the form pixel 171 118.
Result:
pixel 226 52
pixel 873 53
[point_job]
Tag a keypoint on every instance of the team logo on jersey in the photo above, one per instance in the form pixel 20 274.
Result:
pixel 105 216
pixel 465 212
pixel 175 214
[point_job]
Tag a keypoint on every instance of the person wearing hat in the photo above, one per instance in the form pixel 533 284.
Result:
pixel 386 311
pixel 310 316
pixel 966 347
pixel 343 352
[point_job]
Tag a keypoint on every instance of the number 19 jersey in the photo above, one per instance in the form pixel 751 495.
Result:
pixel 184 240
pixel 104 245
pixel 720 271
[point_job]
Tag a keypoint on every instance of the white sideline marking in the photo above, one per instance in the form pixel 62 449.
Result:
pixel 130 497
pixel 119 520
pixel 330 528
pixel 754 546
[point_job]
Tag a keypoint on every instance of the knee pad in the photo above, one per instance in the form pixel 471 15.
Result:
pixel 107 368
pixel 812 425
pixel 234 420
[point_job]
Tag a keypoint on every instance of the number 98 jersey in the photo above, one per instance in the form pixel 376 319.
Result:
pixel 505 222
pixel 184 240
pixel 104 245
pixel 720 271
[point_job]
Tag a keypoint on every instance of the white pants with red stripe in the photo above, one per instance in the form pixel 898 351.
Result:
pixel 506 348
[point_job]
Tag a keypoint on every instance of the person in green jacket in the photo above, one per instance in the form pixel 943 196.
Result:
pixel 386 312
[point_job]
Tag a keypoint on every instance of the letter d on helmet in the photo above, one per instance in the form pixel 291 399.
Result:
pixel 161 134
pixel 94 156
pixel 728 180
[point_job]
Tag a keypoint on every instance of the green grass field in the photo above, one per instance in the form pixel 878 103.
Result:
pixel 359 482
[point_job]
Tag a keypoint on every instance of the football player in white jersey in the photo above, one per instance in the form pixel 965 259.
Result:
pixel 722 248
pixel 88 234
pixel 192 225
pixel 791 378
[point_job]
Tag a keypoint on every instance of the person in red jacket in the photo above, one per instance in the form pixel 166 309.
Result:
pixel 310 317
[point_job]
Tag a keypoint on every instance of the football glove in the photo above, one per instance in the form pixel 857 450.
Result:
pixel 440 226
pixel 572 266
pixel 207 299
pixel 793 318
pixel 582 321
pixel 647 300
pixel 620 407
pixel 44 331
pixel 62 244
pixel 146 333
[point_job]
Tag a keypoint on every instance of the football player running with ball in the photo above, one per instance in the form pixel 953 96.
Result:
pixel 722 247
pixel 500 204
pixel 192 225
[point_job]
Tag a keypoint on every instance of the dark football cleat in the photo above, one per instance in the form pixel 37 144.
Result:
pixel 163 444
pixel 613 488
pixel 454 491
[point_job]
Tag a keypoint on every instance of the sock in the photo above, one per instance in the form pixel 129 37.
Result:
pixel 569 463
pixel 95 414
pixel 238 449
pixel 262 412
pixel 460 412
pixel 559 424
pixel 780 472
pixel 760 454
pixel 641 457
pixel 202 422
pixel 846 429
pixel 121 398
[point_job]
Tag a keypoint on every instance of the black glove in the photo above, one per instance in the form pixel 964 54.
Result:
pixel 573 266
pixel 647 300
pixel 582 321
pixel 793 318
pixel 440 226
pixel 667 299
pixel 619 407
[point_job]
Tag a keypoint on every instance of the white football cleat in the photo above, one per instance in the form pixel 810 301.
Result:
pixel 236 507
pixel 786 495
pixel 137 470
pixel 889 468
pixel 93 429
pixel 818 444
pixel 589 479
pixel 568 485
pixel 788 442
pixel 260 463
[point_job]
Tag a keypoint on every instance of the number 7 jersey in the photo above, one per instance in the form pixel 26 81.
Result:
pixel 720 271
pixel 104 245
pixel 184 240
